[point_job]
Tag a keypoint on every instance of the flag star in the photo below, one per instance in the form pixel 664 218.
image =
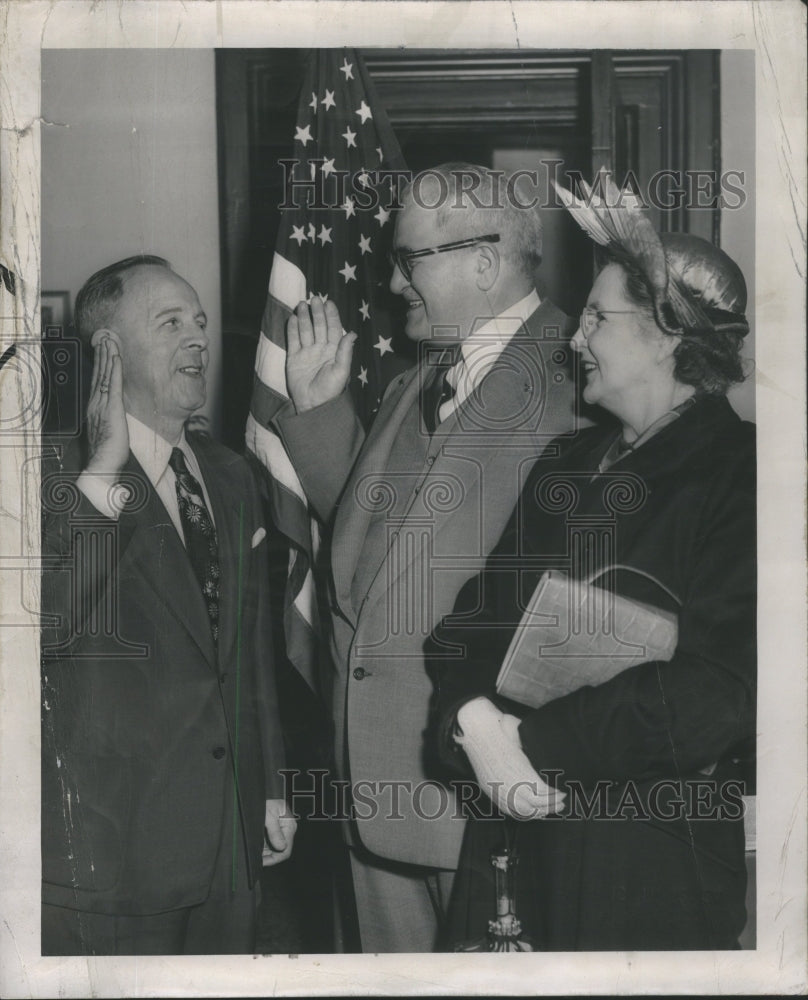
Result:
pixel 349 137
pixel 313 102
pixel 323 297
pixel 363 376
pixel 324 236
pixel 347 69
pixel 364 112
pixel 365 310
pixel 298 233
pixel 383 346
pixel 364 244
pixel 328 100
pixel 382 215
pixel 312 232
pixel 348 208
pixel 328 167
pixel 303 135
pixel 363 178
pixel 348 272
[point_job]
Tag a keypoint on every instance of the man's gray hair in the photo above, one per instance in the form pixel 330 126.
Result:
pixel 470 200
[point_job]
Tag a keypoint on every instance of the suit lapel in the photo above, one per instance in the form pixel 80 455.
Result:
pixel 230 519
pixel 517 372
pixel 353 515
pixel 520 370
pixel 494 395
pixel 162 562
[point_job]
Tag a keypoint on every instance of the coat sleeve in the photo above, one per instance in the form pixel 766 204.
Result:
pixel 671 718
pixel 261 640
pixel 78 563
pixel 466 649
pixel 322 444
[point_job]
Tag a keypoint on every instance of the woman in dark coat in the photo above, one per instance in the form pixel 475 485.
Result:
pixel 631 819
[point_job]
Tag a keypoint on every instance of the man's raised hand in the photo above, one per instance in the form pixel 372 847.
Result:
pixel 318 356
pixel 107 433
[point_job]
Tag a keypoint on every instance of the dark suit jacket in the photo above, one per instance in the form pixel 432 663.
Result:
pixel 144 725
pixel 414 516
pixel 681 508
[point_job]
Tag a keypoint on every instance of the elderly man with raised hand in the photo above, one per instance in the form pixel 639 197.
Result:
pixel 417 503
pixel 161 744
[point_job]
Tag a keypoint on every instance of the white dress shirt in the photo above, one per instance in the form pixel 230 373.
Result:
pixel 481 349
pixel 153 453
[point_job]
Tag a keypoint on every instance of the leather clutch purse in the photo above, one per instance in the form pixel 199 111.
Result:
pixel 575 634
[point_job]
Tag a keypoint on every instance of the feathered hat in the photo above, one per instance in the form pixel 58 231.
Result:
pixel 693 284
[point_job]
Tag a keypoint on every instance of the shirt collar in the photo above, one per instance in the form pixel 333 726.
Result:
pixel 151 449
pixel 497 332
pixel 618 449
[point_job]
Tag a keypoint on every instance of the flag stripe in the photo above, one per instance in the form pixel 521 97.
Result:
pixel 270 366
pixel 330 244
pixel 287 283
pixel 302 646
pixel 268 447
pixel 304 599
pixel 265 403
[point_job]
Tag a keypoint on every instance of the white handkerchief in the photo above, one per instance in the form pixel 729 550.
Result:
pixel 257 537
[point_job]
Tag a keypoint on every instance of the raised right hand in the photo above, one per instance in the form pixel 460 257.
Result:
pixel 107 433
pixel 318 356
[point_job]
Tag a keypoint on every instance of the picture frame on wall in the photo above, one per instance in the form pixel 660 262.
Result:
pixel 54 310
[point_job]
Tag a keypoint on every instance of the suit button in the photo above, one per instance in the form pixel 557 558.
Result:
pixel 218 752
pixel 417 489
pixel 360 673
pixel 430 460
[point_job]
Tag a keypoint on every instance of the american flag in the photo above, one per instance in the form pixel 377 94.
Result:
pixel 334 230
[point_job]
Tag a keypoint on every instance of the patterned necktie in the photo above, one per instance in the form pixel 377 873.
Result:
pixel 200 536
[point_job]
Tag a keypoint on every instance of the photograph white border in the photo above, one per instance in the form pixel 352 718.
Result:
pixel 775 29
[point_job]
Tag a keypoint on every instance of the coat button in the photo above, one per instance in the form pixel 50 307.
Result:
pixel 218 752
pixel 430 460
pixel 360 673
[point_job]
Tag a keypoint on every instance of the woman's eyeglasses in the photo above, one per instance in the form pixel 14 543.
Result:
pixel 402 258
pixel 591 318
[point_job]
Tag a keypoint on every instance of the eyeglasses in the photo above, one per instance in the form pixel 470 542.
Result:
pixel 402 258
pixel 591 318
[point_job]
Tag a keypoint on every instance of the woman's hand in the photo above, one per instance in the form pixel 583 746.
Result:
pixel 490 739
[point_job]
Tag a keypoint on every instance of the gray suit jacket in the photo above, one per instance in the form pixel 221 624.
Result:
pixel 414 517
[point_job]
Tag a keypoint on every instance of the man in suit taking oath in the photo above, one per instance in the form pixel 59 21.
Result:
pixel 417 502
pixel 161 743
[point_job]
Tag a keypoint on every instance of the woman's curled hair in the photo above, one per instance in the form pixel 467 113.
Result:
pixel 707 358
